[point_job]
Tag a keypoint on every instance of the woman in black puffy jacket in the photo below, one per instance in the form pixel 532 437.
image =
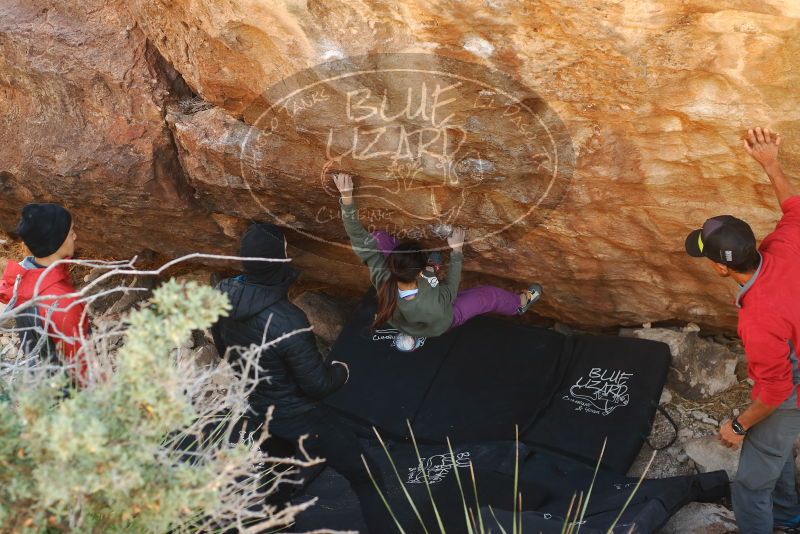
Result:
pixel 292 374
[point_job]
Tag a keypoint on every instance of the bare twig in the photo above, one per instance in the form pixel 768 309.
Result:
pixel 217 393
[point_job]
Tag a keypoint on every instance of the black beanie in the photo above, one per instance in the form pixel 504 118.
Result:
pixel 44 228
pixel 262 240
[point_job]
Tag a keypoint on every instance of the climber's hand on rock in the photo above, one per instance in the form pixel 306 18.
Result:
pixel 728 437
pixel 763 146
pixel 344 183
pixel 456 239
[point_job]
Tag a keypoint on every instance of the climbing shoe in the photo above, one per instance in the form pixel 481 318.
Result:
pixel 534 294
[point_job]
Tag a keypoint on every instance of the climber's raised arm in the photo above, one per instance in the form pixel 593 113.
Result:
pixel 763 146
pixel 363 243
pixel 456 242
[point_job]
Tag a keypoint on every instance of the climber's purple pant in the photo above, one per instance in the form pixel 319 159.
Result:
pixel 483 299
pixel 470 302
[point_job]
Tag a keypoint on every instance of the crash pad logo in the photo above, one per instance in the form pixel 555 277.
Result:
pixel 437 467
pixel 390 335
pixel 601 391
pixel 434 142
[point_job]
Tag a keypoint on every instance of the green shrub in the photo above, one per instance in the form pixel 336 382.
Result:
pixel 103 458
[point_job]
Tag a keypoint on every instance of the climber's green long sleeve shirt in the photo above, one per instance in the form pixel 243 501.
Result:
pixel 430 313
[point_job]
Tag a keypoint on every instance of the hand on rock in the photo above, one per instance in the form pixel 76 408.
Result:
pixel 456 239
pixel 728 437
pixel 762 145
pixel 344 183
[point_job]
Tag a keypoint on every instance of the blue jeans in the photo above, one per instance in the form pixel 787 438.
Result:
pixel 764 488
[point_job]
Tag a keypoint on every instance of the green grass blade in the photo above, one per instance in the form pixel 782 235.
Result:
pixel 565 524
pixel 400 480
pixel 516 480
pixel 591 486
pixel 382 496
pixel 472 517
pixel 502 530
pixel 630 498
pixel 574 521
pixel 425 478
pixel 477 503
pixel 460 487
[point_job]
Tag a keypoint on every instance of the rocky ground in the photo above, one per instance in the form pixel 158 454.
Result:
pixel 706 385
pixel 695 450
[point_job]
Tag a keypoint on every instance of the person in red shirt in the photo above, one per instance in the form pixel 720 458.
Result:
pixel 763 492
pixel 48 232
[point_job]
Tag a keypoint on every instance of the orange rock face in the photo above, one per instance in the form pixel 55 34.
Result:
pixel 577 142
pixel 82 104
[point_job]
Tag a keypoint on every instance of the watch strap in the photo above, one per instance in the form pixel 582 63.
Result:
pixel 737 427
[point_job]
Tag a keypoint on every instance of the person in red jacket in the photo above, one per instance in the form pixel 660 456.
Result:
pixel 47 230
pixel 763 492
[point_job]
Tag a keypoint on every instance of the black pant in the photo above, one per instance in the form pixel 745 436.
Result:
pixel 330 438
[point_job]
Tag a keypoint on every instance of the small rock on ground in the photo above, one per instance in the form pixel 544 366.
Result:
pixel 701 518
pixel 709 454
pixel 700 367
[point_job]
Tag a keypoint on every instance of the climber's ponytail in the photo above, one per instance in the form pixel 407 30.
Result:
pixel 387 301
pixel 405 263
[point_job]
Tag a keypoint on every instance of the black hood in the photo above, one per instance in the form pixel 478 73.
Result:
pixel 250 296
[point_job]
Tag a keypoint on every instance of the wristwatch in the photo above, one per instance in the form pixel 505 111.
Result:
pixel 737 427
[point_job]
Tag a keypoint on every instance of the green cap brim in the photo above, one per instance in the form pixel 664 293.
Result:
pixel 694 244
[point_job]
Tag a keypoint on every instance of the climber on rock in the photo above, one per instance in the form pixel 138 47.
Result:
pixel 292 374
pixel 410 297
pixel 49 324
pixel 764 494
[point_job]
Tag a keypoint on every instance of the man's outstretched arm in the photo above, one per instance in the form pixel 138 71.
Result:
pixel 763 146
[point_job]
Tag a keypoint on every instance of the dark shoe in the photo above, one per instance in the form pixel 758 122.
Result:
pixel 534 294
pixel 787 525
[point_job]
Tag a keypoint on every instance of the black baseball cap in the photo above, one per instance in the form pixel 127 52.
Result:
pixel 723 239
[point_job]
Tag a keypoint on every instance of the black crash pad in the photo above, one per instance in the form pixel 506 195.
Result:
pixel 386 386
pixel 481 380
pixel 546 481
pixel 611 390
pixel 493 464
pixel 496 375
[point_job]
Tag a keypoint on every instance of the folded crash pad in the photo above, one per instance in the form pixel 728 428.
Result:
pixel 546 481
pixel 652 504
pixel 493 464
